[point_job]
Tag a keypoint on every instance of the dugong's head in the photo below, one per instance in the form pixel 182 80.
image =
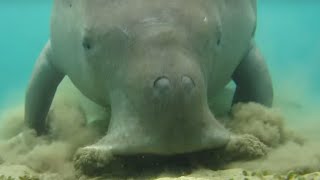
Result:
pixel 154 60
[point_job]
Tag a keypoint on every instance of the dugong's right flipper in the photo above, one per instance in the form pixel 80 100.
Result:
pixel 42 87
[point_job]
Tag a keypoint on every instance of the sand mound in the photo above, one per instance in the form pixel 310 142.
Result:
pixel 267 124
pixel 289 150
pixel 47 154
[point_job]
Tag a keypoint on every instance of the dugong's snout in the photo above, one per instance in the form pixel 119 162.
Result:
pixel 160 107
pixel 156 113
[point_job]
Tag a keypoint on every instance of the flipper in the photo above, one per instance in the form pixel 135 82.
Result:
pixel 253 80
pixel 42 87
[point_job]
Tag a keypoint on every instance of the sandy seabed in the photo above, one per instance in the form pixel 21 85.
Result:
pixel 50 157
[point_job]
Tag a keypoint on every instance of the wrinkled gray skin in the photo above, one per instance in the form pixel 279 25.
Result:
pixel 156 63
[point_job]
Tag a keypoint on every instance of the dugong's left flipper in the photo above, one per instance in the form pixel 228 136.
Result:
pixel 253 80
pixel 42 87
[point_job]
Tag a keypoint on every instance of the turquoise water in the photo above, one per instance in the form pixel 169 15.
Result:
pixel 288 34
pixel 24 30
pixel 289 37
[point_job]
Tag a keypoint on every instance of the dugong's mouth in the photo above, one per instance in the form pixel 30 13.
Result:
pixel 171 136
pixel 93 161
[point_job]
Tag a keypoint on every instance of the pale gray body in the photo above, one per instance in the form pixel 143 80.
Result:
pixel 156 63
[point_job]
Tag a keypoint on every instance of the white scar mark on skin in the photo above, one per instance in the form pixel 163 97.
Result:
pixel 150 20
pixel 205 19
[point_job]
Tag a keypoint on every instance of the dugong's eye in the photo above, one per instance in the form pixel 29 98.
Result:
pixel 219 41
pixel 86 44
pixel 214 42
pixel 218 35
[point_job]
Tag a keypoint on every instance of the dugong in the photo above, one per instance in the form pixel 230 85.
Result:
pixel 155 63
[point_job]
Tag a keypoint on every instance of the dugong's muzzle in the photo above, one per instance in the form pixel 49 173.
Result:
pixel 160 107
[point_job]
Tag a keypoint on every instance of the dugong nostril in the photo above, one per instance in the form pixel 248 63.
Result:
pixel 187 83
pixel 161 86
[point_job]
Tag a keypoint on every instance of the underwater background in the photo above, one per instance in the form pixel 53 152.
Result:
pixel 288 35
